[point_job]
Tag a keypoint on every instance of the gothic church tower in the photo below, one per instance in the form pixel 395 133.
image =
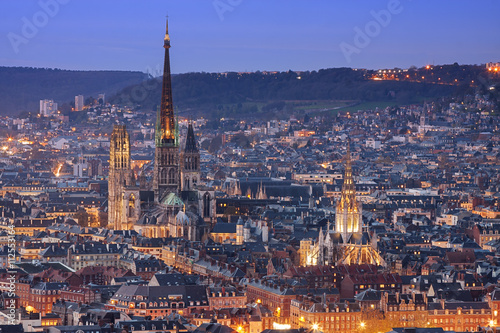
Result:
pixel 166 163
pixel 190 162
pixel 123 195
pixel 348 218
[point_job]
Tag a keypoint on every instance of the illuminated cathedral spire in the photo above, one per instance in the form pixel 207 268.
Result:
pixel 348 213
pixel 166 170
pixel 166 136
pixel 349 244
pixel 348 197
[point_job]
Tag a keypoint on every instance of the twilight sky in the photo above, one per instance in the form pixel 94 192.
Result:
pixel 247 35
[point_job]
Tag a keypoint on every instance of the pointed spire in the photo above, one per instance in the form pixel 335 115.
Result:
pixel 166 42
pixel 348 197
pixel 190 140
pixel 249 192
pixel 238 188
pixel 261 192
pixel 167 127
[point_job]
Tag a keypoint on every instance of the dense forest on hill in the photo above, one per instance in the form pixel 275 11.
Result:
pixel 22 88
pixel 219 92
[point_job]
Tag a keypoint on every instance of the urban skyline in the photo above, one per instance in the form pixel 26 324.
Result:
pixel 339 200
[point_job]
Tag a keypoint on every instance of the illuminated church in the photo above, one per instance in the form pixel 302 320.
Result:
pixel 350 242
pixel 176 205
pixel 123 194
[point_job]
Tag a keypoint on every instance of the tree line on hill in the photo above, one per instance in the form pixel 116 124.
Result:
pixel 215 93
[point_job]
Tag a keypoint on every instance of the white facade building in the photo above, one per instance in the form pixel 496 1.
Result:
pixel 79 103
pixel 47 107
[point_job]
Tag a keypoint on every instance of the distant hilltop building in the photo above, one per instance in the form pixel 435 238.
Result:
pixel 493 66
pixel 47 107
pixel 101 98
pixel 79 103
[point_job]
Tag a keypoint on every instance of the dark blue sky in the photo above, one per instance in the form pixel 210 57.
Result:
pixel 246 35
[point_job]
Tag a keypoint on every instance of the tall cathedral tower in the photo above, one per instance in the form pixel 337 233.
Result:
pixel 357 246
pixel 123 195
pixel 190 162
pixel 350 243
pixel 166 164
pixel 348 217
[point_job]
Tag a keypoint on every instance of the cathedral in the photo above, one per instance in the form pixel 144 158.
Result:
pixel 176 205
pixel 350 242
pixel 123 194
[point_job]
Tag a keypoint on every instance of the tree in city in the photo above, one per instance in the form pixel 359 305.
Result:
pixel 82 217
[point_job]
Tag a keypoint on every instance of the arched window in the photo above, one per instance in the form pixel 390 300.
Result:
pixel 131 205
pixel 163 176
pixel 206 204
pixel 171 176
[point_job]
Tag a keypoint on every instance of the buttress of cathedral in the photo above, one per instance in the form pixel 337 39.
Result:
pixel 123 198
pixel 180 206
pixel 350 242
